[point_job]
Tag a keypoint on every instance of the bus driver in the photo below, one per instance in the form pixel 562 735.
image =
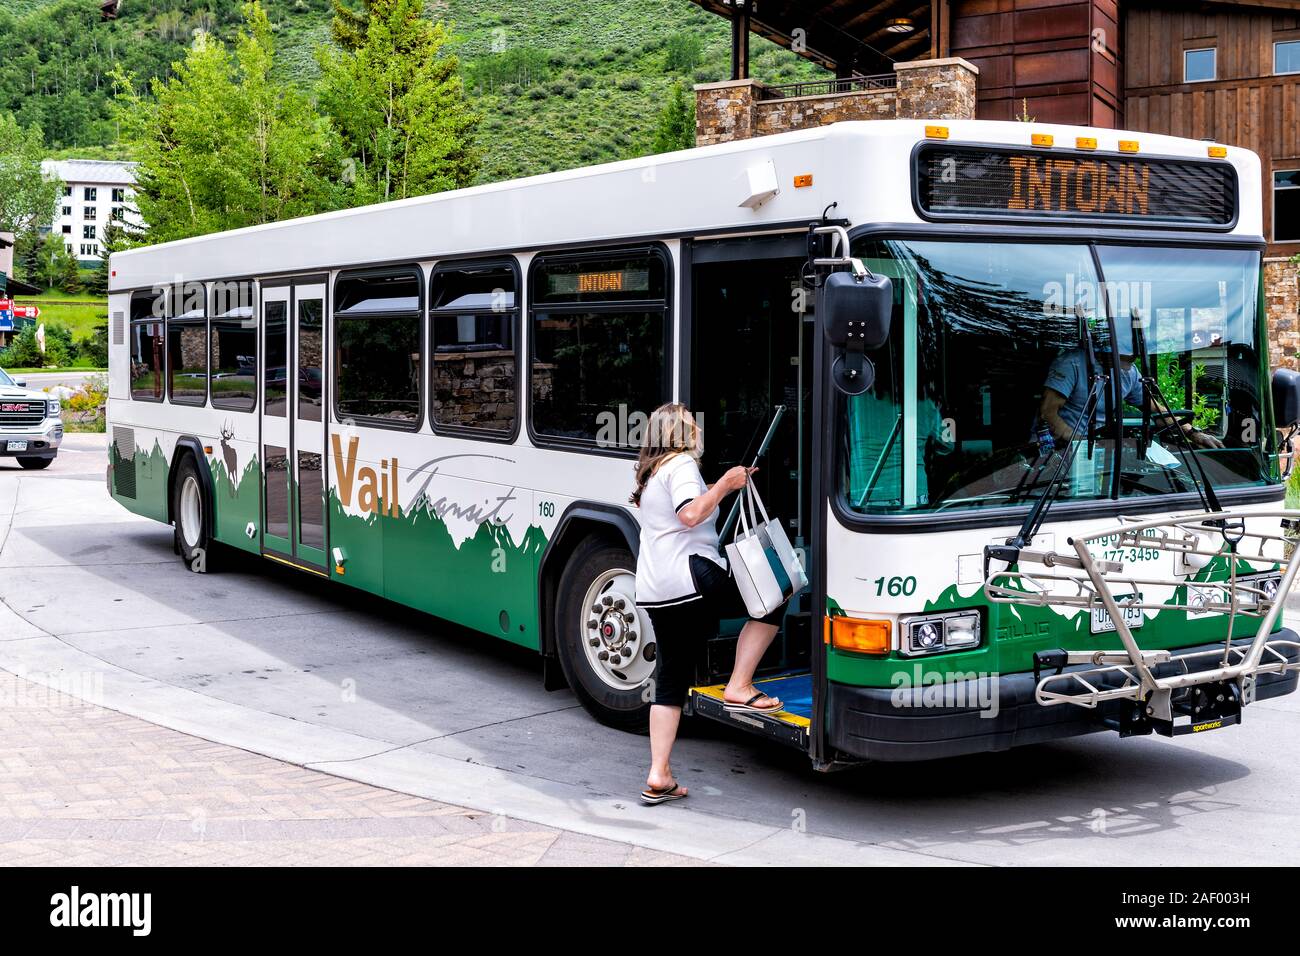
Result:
pixel 1065 393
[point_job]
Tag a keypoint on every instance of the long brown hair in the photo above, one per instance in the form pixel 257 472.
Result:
pixel 671 431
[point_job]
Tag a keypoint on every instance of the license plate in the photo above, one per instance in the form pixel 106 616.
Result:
pixel 1101 619
pixel 16 446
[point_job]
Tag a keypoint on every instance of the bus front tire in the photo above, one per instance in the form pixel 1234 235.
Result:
pixel 605 642
pixel 190 506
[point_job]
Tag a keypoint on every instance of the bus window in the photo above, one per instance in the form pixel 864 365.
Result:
pixel 187 345
pixel 232 373
pixel 599 324
pixel 472 319
pixel 275 316
pixel 147 353
pixel 377 347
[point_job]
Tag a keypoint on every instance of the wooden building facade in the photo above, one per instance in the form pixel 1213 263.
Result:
pixel 1222 70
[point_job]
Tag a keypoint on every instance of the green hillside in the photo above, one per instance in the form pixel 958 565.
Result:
pixel 560 83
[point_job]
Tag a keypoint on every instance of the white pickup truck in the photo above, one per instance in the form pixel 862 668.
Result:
pixel 31 428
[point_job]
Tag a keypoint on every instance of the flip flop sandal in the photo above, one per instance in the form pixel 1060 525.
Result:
pixel 664 795
pixel 748 706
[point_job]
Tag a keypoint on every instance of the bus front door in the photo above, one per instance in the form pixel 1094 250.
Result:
pixel 293 422
pixel 750 328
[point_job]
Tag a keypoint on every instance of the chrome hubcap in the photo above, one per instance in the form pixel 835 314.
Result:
pixel 616 635
pixel 191 511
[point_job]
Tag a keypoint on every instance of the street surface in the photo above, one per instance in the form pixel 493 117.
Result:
pixel 317 676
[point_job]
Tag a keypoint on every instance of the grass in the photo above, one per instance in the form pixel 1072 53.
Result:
pixel 79 313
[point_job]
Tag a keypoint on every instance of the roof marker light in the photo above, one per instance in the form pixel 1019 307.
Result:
pixel 1128 146
pixel 1041 139
pixel 936 132
pixel 1085 142
pixel 1218 152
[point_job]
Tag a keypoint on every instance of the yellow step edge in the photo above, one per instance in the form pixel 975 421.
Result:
pixel 716 692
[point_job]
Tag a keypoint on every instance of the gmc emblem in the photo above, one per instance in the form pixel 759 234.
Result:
pixel 14 407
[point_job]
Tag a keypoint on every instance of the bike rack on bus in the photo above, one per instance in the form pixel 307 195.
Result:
pixel 1161 684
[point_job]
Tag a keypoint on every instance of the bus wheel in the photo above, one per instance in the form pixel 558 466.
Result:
pixel 189 507
pixel 606 643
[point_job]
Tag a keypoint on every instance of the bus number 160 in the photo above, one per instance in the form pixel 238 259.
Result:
pixel 896 586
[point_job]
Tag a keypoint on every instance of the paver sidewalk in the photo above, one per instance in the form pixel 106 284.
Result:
pixel 84 786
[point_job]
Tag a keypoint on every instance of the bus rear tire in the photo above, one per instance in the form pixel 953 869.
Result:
pixel 605 642
pixel 190 508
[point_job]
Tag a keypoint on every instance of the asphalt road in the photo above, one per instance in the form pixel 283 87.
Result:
pixel 72 379
pixel 264 659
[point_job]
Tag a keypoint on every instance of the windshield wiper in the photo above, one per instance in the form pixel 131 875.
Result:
pixel 1010 552
pixel 1153 393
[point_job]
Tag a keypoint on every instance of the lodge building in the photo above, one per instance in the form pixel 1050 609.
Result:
pixel 1222 71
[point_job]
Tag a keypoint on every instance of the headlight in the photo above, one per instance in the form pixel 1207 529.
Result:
pixel 1267 583
pixel 935 633
pixel 53 407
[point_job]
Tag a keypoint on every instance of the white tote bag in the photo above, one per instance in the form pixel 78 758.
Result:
pixel 765 567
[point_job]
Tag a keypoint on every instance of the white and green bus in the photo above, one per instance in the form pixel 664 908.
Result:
pixel 438 401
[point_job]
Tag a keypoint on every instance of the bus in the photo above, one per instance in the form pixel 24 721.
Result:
pixel 438 401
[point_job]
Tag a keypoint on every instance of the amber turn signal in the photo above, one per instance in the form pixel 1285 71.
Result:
pixel 858 636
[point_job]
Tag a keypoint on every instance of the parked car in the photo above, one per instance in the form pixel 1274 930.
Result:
pixel 31 428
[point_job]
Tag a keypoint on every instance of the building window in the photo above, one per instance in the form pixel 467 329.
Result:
pixel 67 210
pixel 1286 56
pixel 598 345
pixel 119 213
pixel 232 367
pixel 187 346
pixel 67 190
pixel 1199 65
pixel 1286 205
pixel 473 315
pixel 377 318
pixel 119 194
pixel 90 213
pixel 87 232
pixel 89 194
pixel 148 359
pixel 67 229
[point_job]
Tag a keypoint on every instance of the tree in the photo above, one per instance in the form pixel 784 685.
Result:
pixel 115 238
pixel 69 277
pixel 399 107
pixel 676 126
pixel 53 258
pixel 221 144
pixel 683 52
pixel 27 198
pixel 348 26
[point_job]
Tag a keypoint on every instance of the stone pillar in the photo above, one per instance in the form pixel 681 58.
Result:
pixel 1282 308
pixel 936 89
pixel 726 111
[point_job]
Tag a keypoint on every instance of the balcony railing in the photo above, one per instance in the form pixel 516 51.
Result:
pixel 848 84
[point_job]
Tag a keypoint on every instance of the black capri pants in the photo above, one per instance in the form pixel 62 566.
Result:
pixel 682 629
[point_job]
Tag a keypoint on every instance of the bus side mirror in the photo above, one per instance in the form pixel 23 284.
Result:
pixel 856 312
pixel 1286 398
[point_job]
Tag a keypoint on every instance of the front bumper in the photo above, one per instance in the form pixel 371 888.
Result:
pixel 869 723
pixel 43 441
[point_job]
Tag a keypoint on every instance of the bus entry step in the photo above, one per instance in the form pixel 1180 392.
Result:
pixel 790 726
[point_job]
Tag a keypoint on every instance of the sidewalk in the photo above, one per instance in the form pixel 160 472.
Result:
pixel 84 786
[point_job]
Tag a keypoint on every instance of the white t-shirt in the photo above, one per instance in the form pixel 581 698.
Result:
pixel 663 568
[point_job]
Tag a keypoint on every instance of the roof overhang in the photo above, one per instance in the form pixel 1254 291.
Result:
pixel 842 35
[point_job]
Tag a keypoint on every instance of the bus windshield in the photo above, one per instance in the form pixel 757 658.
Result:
pixel 987 371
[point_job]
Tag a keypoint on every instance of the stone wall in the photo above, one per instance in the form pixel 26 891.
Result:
pixel 925 89
pixel 936 89
pixel 1282 303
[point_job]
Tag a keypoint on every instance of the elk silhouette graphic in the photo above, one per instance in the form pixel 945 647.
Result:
pixel 231 458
